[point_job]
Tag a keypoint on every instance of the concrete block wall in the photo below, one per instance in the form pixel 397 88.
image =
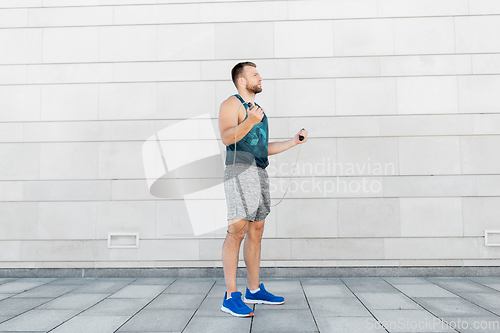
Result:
pixel 400 95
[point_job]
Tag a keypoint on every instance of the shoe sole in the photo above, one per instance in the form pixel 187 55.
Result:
pixel 255 301
pixel 224 309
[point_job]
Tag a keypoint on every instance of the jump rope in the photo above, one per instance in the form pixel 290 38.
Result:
pixel 250 107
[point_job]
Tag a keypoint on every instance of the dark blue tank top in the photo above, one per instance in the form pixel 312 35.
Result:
pixel 252 148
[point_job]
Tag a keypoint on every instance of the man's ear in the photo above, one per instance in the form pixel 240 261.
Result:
pixel 242 81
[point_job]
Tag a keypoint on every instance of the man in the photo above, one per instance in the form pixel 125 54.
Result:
pixel 244 130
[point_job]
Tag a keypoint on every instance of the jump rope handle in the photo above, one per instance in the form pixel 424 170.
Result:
pixel 301 137
pixel 250 107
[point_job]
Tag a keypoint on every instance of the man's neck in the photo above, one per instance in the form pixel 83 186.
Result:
pixel 247 96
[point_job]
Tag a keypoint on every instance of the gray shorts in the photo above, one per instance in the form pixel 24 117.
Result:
pixel 247 194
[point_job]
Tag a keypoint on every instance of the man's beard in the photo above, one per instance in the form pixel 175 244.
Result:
pixel 254 89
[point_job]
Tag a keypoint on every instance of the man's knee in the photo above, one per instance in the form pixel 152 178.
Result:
pixel 256 228
pixel 237 227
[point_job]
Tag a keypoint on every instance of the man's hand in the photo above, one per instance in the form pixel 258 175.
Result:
pixel 233 125
pixel 296 139
pixel 255 115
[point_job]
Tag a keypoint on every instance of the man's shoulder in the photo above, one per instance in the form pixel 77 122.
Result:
pixel 232 102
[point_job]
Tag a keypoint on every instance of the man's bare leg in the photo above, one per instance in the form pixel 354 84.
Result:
pixel 251 250
pixel 231 250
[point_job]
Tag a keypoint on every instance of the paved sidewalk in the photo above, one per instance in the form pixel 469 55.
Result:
pixel 351 305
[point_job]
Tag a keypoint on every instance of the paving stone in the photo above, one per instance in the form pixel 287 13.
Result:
pixel 211 308
pixel 176 301
pixel 218 325
pixel 447 307
pixel 435 279
pixel 369 279
pixel 340 307
pixel 19 286
pixel 71 281
pixel 495 286
pixel 485 279
pixel 330 290
pixel 405 280
pixel 73 301
pixel 348 324
pixel 139 291
pixel 47 291
pixel 101 287
pixel 37 320
pixel 388 301
pixel 4 318
pixel 474 324
pixel 488 301
pixel 38 280
pixel 305 281
pixel 423 290
pixel 15 306
pixel 127 302
pixel 125 280
pixel 5 280
pixel 184 286
pixel 159 281
pixel 283 321
pixel 372 285
pixel 410 321
pixel 158 321
pixel 116 307
pixel 461 285
pixel 94 324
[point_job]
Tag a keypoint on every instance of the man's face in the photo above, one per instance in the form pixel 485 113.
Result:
pixel 253 79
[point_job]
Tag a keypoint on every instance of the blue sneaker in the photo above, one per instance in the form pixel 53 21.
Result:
pixel 235 306
pixel 263 297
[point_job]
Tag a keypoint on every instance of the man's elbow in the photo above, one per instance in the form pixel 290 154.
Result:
pixel 225 140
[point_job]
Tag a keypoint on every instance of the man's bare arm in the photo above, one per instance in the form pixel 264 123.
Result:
pixel 228 121
pixel 278 147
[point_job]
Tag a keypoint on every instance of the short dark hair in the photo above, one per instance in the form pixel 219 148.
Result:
pixel 237 70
